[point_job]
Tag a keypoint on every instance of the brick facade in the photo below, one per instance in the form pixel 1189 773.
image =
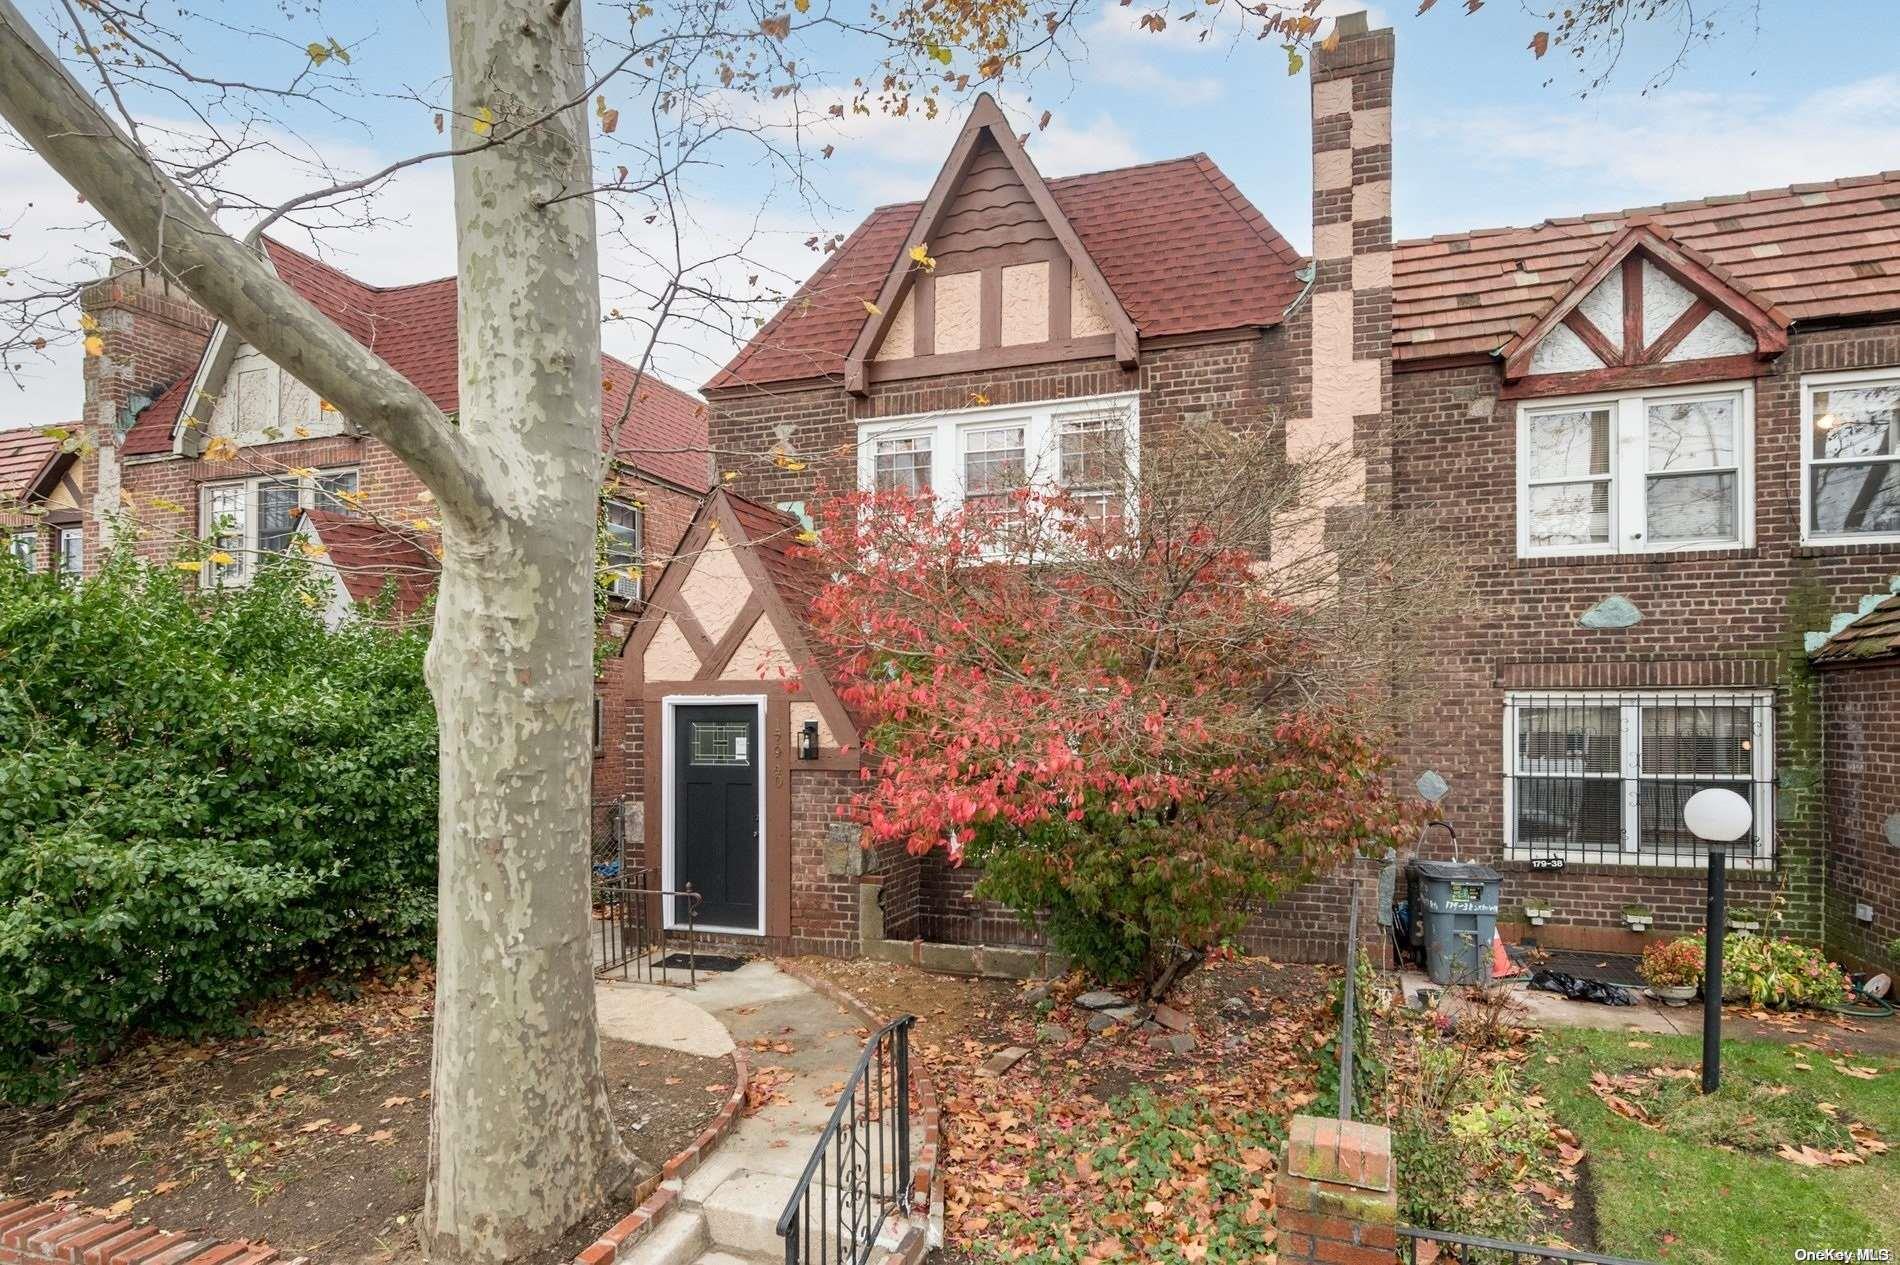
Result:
pixel 1727 618
pixel 1860 707
pixel 154 336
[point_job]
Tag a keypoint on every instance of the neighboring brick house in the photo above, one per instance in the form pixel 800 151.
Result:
pixel 40 498
pixel 1859 662
pixel 1664 444
pixel 200 445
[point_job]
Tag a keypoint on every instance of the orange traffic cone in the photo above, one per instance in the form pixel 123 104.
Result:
pixel 1501 967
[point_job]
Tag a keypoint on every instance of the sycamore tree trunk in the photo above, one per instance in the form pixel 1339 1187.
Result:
pixel 522 1140
pixel 522 1145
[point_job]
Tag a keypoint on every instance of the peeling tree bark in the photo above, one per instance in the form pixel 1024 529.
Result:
pixel 522 1137
pixel 522 1144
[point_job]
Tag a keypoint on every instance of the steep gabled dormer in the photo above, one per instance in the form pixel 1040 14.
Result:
pixel 991 273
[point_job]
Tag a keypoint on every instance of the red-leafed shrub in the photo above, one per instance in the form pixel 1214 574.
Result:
pixel 1129 708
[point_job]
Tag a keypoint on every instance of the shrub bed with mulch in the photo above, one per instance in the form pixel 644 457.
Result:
pixel 309 1133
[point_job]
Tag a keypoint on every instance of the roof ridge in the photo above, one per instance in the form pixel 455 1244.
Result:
pixel 1714 199
pixel 1053 181
pixel 1243 206
pixel 352 278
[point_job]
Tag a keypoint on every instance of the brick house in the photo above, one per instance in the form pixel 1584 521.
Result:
pixel 200 443
pixel 40 512
pixel 1663 441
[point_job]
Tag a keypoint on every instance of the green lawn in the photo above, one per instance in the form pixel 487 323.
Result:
pixel 1662 1198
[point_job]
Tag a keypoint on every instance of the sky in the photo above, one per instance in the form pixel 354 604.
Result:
pixel 1484 135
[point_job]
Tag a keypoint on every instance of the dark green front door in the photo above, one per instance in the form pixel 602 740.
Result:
pixel 716 818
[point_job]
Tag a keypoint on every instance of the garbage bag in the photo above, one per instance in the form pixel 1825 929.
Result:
pixel 1577 989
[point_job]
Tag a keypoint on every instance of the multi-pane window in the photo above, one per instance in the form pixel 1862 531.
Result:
pixel 994 462
pixel 258 517
pixel 1851 442
pixel 623 527
pixel 69 551
pixel 901 463
pixel 1604 777
pixel 25 547
pixel 1088 446
pixel 1093 462
pixel 1663 470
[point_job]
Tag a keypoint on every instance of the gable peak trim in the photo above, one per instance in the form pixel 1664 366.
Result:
pixel 986 120
pixel 1643 239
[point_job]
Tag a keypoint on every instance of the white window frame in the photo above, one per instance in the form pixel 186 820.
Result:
pixel 245 559
pixel 1629 470
pixel 77 535
pixel 630 589
pixel 1042 428
pixel 1810 383
pixel 1629 773
pixel 28 557
pixel 669 724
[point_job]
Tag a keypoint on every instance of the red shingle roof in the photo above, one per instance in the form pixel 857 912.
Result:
pixel 1815 250
pixel 23 454
pixel 368 555
pixel 772 535
pixel 413 328
pixel 1183 251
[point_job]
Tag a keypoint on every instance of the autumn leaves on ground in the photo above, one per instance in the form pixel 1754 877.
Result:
pixel 308 1130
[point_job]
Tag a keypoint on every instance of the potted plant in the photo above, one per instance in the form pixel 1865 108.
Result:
pixel 1673 971
pixel 1536 912
pixel 1637 918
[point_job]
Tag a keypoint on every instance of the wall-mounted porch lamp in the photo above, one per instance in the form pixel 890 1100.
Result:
pixel 808 741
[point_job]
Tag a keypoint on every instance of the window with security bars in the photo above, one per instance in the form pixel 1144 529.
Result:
pixel 1604 777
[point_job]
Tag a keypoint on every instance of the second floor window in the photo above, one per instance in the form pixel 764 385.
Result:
pixel 69 553
pixel 257 517
pixel 1636 473
pixel 980 455
pixel 1851 450
pixel 623 527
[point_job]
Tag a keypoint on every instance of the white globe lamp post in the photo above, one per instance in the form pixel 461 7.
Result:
pixel 1716 816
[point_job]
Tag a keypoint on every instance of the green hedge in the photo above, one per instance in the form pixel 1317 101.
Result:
pixel 204 800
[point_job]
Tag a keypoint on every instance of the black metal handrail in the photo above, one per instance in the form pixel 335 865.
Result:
pixel 864 1151
pixel 1519 1253
pixel 632 943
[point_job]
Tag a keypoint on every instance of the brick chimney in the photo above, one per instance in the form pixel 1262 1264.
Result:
pixel 154 334
pixel 1350 299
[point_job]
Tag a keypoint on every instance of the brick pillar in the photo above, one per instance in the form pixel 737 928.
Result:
pixel 1350 298
pixel 1336 1198
pixel 153 334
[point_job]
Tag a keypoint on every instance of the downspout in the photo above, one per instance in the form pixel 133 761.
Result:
pixel 1306 276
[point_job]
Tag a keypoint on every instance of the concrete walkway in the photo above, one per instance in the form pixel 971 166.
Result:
pixel 728 1208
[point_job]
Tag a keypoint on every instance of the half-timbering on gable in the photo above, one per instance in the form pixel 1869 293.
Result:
pixel 1664 442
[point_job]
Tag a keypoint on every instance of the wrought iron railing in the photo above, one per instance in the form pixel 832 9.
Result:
pixel 859 1173
pixel 1471 1249
pixel 1601 778
pixel 632 939
pixel 1348 1005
